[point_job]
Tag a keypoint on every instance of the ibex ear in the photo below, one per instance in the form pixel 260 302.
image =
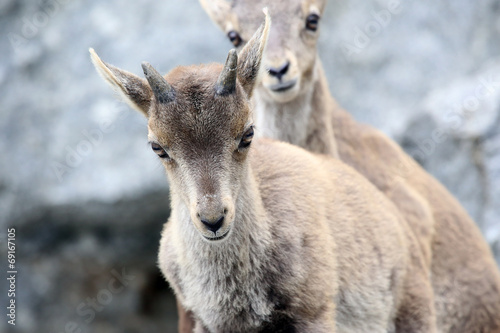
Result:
pixel 133 89
pixel 250 57
pixel 218 10
pixel 319 4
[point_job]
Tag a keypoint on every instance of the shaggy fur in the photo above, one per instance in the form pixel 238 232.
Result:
pixel 308 244
pixel 465 277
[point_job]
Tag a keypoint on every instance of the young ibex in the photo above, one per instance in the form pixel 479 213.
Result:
pixel 294 104
pixel 264 236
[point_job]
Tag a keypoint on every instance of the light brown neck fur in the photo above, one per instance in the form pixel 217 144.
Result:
pixel 304 121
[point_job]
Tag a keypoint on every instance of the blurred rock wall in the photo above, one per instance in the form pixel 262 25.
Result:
pixel 88 198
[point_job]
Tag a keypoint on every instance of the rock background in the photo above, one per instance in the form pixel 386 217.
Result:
pixel 88 198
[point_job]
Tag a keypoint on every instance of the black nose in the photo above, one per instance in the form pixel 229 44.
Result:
pixel 213 225
pixel 279 72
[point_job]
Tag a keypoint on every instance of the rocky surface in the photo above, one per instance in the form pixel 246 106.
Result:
pixel 88 198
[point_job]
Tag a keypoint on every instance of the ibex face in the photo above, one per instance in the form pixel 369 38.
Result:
pixel 291 50
pixel 200 125
pixel 203 139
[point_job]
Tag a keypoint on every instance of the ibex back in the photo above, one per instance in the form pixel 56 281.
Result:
pixel 293 103
pixel 264 236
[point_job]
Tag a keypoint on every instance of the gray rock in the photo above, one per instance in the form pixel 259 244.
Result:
pixel 453 136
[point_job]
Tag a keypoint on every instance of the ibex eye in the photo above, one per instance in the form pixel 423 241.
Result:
pixel 246 139
pixel 234 37
pixel 312 22
pixel 159 150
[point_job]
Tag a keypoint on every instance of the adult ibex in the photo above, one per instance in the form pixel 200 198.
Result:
pixel 293 103
pixel 265 236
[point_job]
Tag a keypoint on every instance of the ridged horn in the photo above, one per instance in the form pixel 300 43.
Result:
pixel 226 84
pixel 163 91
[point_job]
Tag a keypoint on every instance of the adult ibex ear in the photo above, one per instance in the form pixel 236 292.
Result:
pixel 218 10
pixel 133 89
pixel 250 57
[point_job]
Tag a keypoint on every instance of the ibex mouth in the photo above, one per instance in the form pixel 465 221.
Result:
pixel 217 238
pixel 283 86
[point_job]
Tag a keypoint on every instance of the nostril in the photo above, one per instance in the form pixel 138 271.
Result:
pixel 279 72
pixel 284 68
pixel 213 225
pixel 273 72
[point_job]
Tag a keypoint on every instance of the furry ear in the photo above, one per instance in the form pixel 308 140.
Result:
pixel 133 89
pixel 250 56
pixel 218 10
pixel 321 5
pixel 315 6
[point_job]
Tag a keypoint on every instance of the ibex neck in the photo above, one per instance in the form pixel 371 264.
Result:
pixel 300 120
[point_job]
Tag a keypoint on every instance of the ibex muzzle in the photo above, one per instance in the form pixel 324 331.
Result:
pixel 211 213
pixel 212 205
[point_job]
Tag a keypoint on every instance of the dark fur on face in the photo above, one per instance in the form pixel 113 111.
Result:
pixel 202 119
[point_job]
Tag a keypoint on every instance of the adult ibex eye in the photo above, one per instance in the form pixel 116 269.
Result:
pixel 246 139
pixel 312 22
pixel 159 150
pixel 234 37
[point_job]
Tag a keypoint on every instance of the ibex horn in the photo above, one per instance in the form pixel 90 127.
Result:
pixel 163 91
pixel 226 84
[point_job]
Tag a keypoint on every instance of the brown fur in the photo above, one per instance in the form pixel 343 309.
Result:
pixel 309 245
pixel 465 277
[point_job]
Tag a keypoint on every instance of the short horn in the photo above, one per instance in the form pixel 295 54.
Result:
pixel 226 84
pixel 163 91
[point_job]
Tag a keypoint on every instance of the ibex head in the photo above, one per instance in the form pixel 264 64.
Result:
pixel 200 125
pixel 291 50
